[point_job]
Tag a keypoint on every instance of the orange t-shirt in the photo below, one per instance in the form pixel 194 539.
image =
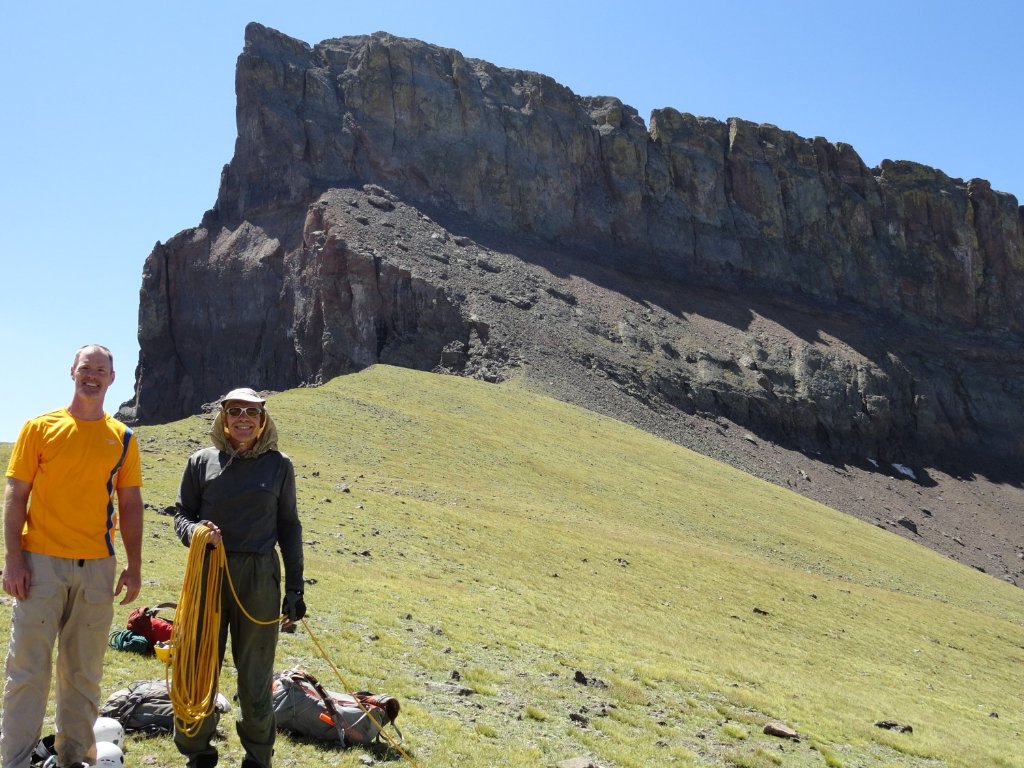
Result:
pixel 74 467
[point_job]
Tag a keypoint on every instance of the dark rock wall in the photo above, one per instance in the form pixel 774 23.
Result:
pixel 694 197
pixel 273 290
pixel 278 301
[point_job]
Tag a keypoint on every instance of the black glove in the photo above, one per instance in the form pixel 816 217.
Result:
pixel 293 607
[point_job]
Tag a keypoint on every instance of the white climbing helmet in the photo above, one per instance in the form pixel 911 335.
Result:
pixel 109 755
pixel 109 729
pixel 221 704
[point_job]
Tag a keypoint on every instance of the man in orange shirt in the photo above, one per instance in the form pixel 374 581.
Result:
pixel 59 526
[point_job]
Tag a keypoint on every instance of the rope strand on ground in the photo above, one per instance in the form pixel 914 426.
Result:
pixel 345 686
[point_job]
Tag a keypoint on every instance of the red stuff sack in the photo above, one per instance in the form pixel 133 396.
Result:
pixel 145 622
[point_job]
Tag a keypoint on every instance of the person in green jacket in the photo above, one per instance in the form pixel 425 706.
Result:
pixel 242 489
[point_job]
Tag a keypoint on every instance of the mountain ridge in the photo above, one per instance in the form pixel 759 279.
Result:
pixel 391 201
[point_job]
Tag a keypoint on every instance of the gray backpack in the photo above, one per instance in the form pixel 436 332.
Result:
pixel 146 707
pixel 143 706
pixel 305 708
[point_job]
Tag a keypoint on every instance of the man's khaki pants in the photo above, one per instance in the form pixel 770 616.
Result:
pixel 70 603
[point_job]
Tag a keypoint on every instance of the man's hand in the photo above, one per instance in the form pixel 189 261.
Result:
pixel 131 582
pixel 17 576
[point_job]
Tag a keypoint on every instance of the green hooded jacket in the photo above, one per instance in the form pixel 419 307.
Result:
pixel 250 496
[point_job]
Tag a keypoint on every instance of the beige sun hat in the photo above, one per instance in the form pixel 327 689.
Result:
pixel 243 395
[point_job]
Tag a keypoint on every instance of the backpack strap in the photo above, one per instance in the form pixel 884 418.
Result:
pixel 300 677
pixel 390 706
pixel 156 608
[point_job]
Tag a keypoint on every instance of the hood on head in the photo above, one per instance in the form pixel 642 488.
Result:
pixel 267 440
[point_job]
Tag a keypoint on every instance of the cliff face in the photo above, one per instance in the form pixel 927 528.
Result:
pixel 692 198
pixel 698 267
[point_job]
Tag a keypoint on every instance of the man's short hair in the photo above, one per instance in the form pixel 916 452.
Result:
pixel 100 347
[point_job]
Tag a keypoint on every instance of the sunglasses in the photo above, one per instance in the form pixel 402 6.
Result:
pixel 236 410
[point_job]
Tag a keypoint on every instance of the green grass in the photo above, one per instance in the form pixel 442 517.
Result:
pixel 474 546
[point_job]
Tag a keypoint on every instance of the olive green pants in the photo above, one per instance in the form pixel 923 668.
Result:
pixel 257 580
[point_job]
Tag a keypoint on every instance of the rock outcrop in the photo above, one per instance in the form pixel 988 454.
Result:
pixel 392 201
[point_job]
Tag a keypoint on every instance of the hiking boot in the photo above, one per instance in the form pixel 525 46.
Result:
pixel 203 761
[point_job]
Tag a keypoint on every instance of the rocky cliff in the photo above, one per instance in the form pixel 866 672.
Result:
pixel 392 201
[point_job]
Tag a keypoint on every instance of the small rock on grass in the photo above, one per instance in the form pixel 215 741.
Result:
pixel 892 725
pixel 781 730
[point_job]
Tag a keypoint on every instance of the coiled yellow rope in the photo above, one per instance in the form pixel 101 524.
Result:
pixel 195 671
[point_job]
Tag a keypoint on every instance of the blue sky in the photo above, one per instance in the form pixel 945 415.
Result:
pixel 118 117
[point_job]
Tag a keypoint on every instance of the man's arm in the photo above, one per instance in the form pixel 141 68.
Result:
pixel 17 577
pixel 129 515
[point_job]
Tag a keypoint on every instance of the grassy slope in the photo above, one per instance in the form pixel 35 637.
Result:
pixel 459 527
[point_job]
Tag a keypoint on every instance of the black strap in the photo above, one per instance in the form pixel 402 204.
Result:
pixel 299 677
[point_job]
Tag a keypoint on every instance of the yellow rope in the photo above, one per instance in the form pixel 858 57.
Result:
pixel 345 686
pixel 238 602
pixel 195 674
pixel 195 671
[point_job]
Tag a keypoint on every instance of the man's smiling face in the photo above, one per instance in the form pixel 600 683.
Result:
pixel 93 374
